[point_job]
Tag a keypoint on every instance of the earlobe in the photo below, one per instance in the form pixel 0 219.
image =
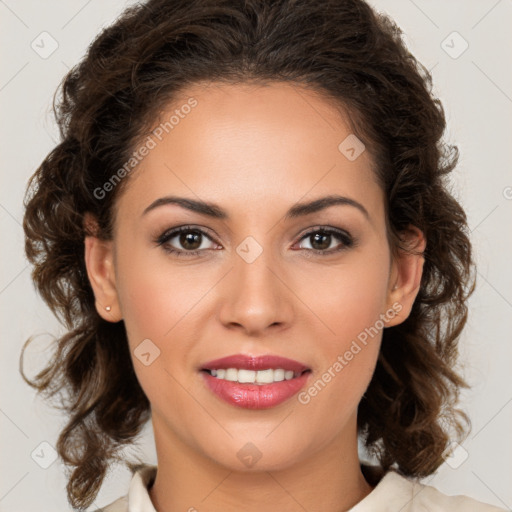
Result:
pixel 99 262
pixel 405 278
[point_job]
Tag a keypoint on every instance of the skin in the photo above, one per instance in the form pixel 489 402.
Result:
pixel 255 151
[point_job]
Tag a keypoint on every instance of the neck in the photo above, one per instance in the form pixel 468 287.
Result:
pixel 330 480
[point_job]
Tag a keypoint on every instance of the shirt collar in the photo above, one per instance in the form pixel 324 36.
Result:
pixel 138 492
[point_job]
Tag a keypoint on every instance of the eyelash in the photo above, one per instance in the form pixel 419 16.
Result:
pixel 347 240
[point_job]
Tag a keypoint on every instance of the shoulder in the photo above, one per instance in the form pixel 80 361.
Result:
pixel 396 492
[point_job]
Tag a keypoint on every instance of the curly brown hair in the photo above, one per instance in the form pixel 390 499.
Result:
pixel 133 69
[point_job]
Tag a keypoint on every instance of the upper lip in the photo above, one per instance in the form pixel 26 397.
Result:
pixel 248 362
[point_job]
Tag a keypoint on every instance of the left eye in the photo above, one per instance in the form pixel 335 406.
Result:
pixel 321 240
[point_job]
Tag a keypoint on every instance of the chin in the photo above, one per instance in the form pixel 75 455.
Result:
pixel 255 454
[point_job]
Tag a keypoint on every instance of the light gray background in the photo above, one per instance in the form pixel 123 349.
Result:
pixel 476 90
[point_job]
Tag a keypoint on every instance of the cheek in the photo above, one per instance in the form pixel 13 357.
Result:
pixel 350 298
pixel 154 295
pixel 156 303
pixel 349 303
pixel 160 302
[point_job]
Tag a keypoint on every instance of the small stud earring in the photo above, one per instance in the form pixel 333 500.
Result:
pixel 108 308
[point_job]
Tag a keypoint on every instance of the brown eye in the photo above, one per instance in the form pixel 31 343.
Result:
pixel 190 241
pixel 321 240
pixel 185 241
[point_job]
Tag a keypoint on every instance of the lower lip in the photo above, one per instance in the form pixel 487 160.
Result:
pixel 255 396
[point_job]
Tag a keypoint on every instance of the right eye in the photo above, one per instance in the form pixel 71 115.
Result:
pixel 192 241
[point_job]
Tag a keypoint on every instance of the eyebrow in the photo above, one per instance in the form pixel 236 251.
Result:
pixel 298 210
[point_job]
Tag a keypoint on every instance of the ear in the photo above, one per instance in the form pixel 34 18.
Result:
pixel 405 275
pixel 99 261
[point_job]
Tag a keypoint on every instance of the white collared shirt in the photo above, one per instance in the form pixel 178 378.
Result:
pixel 394 492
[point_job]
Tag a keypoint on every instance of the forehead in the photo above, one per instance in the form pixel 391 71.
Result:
pixel 250 146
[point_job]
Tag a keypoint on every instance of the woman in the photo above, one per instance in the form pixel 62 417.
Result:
pixel 247 231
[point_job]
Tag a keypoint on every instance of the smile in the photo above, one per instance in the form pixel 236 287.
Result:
pixel 255 382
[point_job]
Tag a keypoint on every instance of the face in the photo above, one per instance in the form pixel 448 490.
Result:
pixel 261 277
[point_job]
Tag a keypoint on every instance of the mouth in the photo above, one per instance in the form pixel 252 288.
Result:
pixel 255 382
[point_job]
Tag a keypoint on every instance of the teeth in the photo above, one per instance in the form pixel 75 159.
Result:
pixel 254 377
pixel 279 374
pixel 267 376
pixel 246 375
pixel 231 374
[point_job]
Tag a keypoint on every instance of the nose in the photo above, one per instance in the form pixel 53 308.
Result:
pixel 255 296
